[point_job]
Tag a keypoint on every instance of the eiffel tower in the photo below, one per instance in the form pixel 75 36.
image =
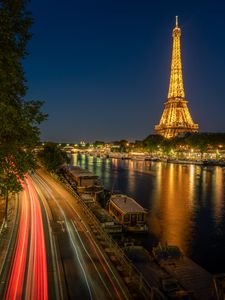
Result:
pixel 176 118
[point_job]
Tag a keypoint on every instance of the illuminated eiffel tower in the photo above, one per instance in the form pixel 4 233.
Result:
pixel 176 117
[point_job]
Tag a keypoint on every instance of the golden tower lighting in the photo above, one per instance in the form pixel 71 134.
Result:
pixel 176 118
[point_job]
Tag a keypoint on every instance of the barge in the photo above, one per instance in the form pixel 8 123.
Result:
pixel 129 213
pixel 86 183
pixel 109 224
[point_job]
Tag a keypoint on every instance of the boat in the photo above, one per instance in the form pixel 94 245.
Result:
pixel 151 158
pixel 166 252
pixel 84 181
pixel 190 275
pixel 129 213
pixel 108 223
pixel 211 162
pixel 185 161
pixel 138 157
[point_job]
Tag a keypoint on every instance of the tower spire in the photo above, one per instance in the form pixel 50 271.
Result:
pixel 176 117
pixel 176 87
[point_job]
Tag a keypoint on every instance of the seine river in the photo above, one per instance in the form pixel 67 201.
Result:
pixel 186 203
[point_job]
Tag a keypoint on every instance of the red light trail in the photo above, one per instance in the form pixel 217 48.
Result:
pixel 85 244
pixel 33 256
pixel 15 286
pixel 28 276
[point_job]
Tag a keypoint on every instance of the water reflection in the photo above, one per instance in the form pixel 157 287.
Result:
pixel 218 195
pixel 186 202
pixel 171 216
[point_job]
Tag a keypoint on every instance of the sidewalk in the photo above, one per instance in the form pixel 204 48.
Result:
pixel 2 211
pixel 7 236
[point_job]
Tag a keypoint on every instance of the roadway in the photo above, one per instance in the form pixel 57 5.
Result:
pixel 55 255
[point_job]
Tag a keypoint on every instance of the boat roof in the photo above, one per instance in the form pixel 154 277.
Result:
pixel 78 172
pixel 127 204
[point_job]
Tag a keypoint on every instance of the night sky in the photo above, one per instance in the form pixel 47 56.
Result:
pixel 102 67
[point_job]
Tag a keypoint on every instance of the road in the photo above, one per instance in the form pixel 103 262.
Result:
pixel 28 276
pixel 56 255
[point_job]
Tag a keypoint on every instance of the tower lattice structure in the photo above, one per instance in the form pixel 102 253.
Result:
pixel 176 117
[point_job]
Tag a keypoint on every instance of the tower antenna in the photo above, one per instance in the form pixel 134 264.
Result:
pixel 176 21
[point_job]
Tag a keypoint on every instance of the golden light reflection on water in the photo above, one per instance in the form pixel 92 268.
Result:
pixel 73 159
pixel 180 193
pixel 115 162
pixel 172 208
pixel 131 182
pixel 218 195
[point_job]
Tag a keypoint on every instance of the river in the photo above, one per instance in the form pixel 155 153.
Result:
pixel 186 203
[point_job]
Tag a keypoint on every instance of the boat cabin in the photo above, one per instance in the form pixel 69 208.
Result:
pixel 85 182
pixel 128 212
pixel 84 178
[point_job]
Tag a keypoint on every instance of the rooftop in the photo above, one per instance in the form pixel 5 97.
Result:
pixel 78 172
pixel 126 204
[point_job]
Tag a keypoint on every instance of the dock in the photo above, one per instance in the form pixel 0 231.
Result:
pixel 191 276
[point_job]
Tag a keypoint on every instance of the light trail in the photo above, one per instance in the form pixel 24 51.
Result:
pixel 75 246
pixel 15 286
pixel 37 281
pixel 75 219
pixel 101 262
pixel 95 247
pixel 70 232
pixel 94 264
pixel 58 281
pixel 30 257
pixel 82 265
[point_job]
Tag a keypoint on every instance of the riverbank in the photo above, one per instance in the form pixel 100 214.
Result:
pixel 155 158
pixel 202 280
pixel 186 203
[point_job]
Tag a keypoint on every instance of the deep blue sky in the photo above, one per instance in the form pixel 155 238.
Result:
pixel 102 67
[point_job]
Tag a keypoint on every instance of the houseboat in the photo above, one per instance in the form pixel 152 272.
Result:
pixel 85 181
pixel 129 213
pixel 109 224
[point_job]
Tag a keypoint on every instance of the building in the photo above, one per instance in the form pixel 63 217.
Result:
pixel 176 118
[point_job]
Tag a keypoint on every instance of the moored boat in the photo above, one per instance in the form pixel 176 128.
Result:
pixel 85 181
pixel 129 213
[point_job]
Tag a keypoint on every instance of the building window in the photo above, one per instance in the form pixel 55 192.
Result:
pixel 115 211
pixel 140 217
pixel 126 218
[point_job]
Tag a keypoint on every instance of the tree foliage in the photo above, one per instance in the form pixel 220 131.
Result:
pixel 153 142
pixel 19 119
pixel 199 141
pixel 51 157
pixel 99 143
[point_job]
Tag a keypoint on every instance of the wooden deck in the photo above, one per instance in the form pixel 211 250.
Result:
pixel 190 275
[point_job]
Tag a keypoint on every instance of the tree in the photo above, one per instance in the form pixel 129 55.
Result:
pixel 152 142
pixel 52 157
pixel 198 141
pixel 99 144
pixel 19 119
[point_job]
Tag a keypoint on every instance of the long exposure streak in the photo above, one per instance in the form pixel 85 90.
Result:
pixel 31 226
pixel 15 286
pixel 99 263
pixel 37 281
